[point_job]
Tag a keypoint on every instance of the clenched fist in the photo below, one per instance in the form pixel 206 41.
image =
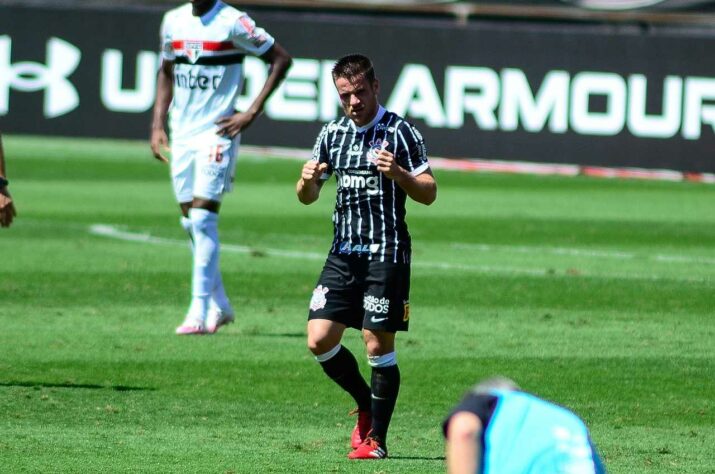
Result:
pixel 313 170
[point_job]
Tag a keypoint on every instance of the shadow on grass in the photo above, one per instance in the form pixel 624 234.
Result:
pixel 118 388
pixel 418 458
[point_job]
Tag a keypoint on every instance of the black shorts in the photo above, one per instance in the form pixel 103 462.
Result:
pixel 361 293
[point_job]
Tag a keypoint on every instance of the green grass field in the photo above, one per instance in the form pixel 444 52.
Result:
pixel 596 294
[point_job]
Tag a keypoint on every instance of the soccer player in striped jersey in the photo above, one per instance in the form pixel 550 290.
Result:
pixel 378 160
pixel 203 45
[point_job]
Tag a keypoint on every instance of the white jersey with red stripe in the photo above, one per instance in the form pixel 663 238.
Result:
pixel 208 53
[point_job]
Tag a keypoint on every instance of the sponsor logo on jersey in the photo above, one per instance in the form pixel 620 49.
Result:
pixel 356 150
pixel 196 81
pixel 373 304
pixel 62 59
pixel 348 248
pixel 250 27
pixel 318 300
pixel 353 180
pixel 247 24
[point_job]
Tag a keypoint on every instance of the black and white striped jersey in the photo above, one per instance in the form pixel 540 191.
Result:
pixel 369 216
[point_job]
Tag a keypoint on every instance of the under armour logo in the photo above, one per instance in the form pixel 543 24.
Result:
pixel 60 95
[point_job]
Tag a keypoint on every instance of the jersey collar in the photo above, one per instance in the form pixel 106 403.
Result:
pixel 209 15
pixel 378 116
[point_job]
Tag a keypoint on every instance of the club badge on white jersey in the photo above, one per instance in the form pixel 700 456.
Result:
pixel 193 50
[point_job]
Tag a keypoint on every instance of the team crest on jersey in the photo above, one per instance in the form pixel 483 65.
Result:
pixel 376 146
pixel 318 300
pixel 193 50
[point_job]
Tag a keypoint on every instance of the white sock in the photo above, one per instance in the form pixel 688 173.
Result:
pixel 204 225
pixel 218 294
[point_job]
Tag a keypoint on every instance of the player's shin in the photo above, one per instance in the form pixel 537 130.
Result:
pixel 204 226
pixel 340 365
pixel 385 384
pixel 218 294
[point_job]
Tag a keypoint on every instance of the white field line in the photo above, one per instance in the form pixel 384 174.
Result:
pixel 115 233
pixel 535 250
pixel 540 250
pixel 682 259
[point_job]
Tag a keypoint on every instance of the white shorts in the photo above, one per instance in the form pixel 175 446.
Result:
pixel 203 166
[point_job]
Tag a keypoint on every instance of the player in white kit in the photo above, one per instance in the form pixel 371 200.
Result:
pixel 203 44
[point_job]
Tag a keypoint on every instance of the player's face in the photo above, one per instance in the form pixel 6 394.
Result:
pixel 358 96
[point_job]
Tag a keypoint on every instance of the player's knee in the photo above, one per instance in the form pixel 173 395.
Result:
pixel 378 343
pixel 319 343
pixel 314 345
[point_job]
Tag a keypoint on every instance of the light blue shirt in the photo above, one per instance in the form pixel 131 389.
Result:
pixel 527 435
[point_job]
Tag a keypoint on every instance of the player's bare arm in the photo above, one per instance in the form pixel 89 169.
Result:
pixel 279 62
pixel 309 184
pixel 421 188
pixel 463 448
pixel 164 94
pixel 7 206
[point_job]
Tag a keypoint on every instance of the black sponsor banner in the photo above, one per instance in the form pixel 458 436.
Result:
pixel 604 95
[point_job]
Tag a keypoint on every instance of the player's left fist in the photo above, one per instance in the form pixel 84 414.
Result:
pixel 387 165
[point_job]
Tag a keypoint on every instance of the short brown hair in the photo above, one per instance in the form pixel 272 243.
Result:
pixel 352 66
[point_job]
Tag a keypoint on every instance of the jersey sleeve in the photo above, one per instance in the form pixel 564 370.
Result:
pixel 321 153
pixel 481 405
pixel 412 153
pixel 252 39
pixel 165 39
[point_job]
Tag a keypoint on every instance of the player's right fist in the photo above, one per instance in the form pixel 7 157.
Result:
pixel 312 170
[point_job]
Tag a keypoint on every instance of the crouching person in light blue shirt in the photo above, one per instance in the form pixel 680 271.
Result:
pixel 498 429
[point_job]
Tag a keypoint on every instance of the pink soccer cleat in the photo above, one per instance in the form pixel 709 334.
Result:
pixel 217 318
pixel 363 425
pixel 189 328
pixel 371 448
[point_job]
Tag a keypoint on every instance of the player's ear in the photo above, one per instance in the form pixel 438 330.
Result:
pixel 376 86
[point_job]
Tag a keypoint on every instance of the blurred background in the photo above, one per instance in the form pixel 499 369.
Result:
pixel 602 83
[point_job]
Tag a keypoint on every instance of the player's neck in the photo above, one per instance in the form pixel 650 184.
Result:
pixel 375 118
pixel 201 8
